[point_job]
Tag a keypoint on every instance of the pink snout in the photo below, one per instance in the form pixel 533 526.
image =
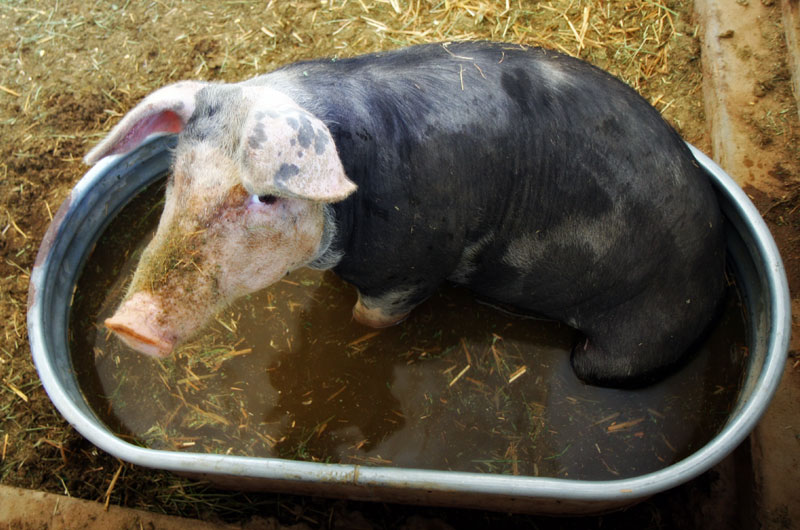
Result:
pixel 138 323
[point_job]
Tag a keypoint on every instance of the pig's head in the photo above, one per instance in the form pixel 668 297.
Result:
pixel 244 206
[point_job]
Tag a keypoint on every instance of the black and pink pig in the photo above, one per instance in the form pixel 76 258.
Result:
pixel 533 178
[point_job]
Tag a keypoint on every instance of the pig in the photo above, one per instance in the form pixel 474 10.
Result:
pixel 535 179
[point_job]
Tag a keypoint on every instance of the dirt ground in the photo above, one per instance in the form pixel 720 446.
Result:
pixel 69 69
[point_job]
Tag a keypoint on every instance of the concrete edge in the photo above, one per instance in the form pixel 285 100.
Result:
pixel 27 509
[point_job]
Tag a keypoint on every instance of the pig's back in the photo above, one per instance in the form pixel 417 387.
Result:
pixel 532 177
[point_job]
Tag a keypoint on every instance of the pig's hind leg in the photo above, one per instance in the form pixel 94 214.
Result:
pixel 387 308
pixel 638 343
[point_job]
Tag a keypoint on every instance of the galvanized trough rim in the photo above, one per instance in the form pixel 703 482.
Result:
pixel 523 487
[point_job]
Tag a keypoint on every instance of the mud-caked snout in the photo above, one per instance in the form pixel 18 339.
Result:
pixel 140 323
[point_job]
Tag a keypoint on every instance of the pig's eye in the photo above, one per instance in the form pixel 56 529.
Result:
pixel 263 199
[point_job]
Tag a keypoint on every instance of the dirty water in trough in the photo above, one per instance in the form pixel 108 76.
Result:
pixel 458 386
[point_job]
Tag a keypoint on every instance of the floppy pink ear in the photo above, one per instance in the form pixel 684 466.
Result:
pixel 165 110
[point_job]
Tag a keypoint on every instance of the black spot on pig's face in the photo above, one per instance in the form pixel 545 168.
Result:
pixel 210 110
pixel 320 142
pixel 217 118
pixel 257 138
pixel 285 172
pixel 305 135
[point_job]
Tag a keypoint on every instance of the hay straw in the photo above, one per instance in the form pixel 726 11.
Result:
pixel 16 390
pixel 111 486
pixel 9 91
pixel 519 372
pixel 15 225
pixel 616 427
pixel 460 374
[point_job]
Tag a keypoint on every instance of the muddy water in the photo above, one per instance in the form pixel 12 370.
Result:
pixel 458 386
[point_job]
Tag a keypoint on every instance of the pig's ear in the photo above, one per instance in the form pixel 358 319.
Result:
pixel 287 151
pixel 165 110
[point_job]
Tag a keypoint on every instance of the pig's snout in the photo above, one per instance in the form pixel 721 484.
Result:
pixel 136 322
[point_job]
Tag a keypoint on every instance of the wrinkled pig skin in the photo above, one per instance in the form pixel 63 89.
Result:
pixel 533 178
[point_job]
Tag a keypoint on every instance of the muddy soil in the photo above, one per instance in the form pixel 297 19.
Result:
pixel 70 69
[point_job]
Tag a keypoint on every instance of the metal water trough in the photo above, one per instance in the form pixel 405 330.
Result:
pixel 116 180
